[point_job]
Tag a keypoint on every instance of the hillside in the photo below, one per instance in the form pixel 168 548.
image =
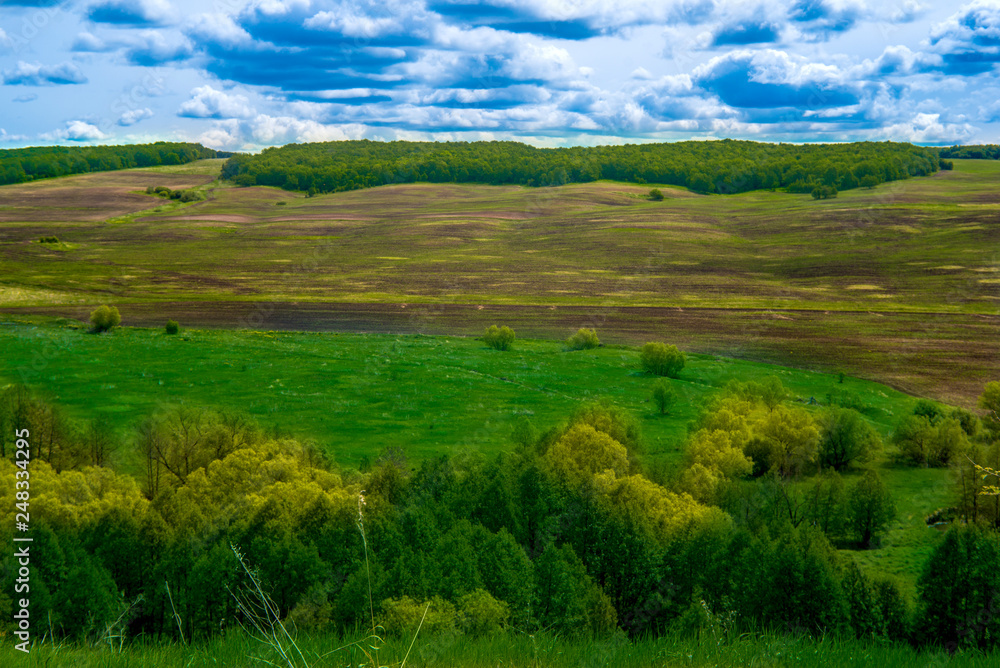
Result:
pixel 898 283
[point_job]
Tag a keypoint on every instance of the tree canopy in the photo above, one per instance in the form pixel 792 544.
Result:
pixel 726 166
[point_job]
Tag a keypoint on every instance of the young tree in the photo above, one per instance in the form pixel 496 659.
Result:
pixel 989 401
pixel 664 395
pixel 870 508
pixel 661 359
pixel 846 437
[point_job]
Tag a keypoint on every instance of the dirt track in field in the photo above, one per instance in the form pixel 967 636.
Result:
pixel 949 357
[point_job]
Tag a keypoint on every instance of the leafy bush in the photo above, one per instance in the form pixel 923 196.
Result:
pixel 49 240
pixel 403 615
pixel 584 339
pixel 500 338
pixel 480 614
pixel 172 327
pixel 661 359
pixel 656 195
pixel 104 317
pixel 824 192
pixel 846 437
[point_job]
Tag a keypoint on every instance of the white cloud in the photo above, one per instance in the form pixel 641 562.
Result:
pixel 208 102
pixel 928 129
pixel 133 116
pixel 86 41
pixel 217 28
pixel 75 131
pixel 36 74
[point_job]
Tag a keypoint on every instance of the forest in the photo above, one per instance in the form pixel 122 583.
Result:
pixel 564 531
pixel 19 165
pixel 972 152
pixel 726 166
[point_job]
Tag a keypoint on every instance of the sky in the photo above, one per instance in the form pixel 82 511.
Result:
pixel 247 74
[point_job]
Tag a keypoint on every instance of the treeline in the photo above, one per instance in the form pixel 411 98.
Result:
pixel 564 532
pixel 42 162
pixel 709 167
pixel 975 152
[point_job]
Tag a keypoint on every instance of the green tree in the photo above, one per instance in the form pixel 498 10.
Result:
pixel 845 437
pixel 661 359
pixel 958 590
pixel 664 395
pixel 499 338
pixel 989 401
pixel 584 339
pixel 870 508
pixel 104 318
pixel 656 195
pixel 172 327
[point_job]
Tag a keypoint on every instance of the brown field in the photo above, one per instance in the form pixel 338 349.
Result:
pixel 88 197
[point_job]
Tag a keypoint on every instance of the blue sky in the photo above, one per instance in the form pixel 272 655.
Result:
pixel 246 74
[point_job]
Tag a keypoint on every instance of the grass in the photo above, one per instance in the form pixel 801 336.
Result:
pixel 356 394
pixel 516 650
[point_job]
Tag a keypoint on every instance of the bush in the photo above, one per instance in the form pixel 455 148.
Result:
pixel 500 338
pixel 104 318
pixel 845 438
pixel 584 339
pixel 656 195
pixel 482 615
pixel 661 359
pixel 824 192
pixel 172 327
pixel 49 240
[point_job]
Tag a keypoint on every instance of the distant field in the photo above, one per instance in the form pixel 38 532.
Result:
pixel 870 267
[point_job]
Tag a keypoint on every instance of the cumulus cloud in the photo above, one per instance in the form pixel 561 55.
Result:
pixel 264 130
pixel 770 78
pixel 86 41
pixel 928 129
pixel 130 12
pixel 76 131
pixel 969 41
pixel 207 102
pixel 36 74
pixel 154 47
pixel 133 116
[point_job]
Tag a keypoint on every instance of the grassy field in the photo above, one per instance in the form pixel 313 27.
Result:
pixel 899 284
pixel 357 394
pixel 518 651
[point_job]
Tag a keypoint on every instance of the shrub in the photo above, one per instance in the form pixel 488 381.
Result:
pixel 190 196
pixel 661 359
pixel 172 327
pixel 49 240
pixel 162 191
pixel 656 195
pixel 584 339
pixel 824 192
pixel 482 615
pixel 403 615
pixel 500 338
pixel 104 317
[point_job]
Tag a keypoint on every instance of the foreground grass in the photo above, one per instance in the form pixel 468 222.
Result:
pixel 517 651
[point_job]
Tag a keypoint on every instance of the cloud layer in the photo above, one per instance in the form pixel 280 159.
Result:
pixel 250 73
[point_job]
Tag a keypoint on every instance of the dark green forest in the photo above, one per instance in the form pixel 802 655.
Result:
pixel 565 531
pixel 43 162
pixel 974 152
pixel 709 167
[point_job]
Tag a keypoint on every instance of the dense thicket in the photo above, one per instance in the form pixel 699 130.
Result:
pixel 719 166
pixel 977 152
pixel 41 162
pixel 563 532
